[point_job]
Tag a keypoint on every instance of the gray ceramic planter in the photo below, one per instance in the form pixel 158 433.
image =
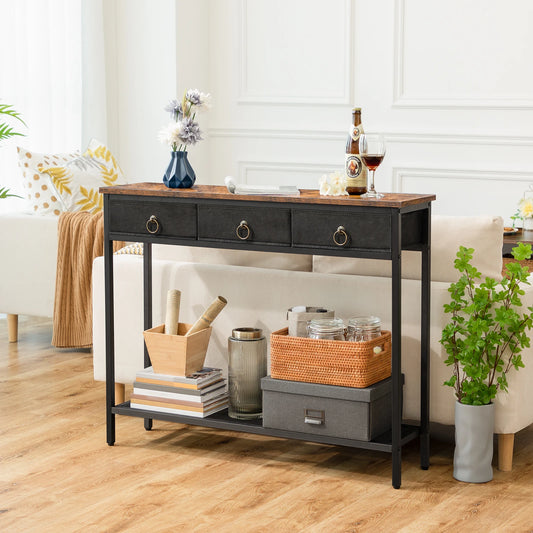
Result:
pixel 474 428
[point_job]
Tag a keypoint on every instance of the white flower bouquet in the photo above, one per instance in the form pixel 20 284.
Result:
pixel 184 130
pixel 333 184
pixel 525 207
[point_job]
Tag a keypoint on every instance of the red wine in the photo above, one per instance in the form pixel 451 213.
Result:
pixel 372 161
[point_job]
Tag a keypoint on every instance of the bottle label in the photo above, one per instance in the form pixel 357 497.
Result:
pixel 355 133
pixel 356 173
pixel 354 166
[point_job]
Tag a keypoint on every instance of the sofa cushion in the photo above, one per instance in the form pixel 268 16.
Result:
pixel 483 233
pixel 193 254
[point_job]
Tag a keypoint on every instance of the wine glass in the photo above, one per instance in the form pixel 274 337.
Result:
pixel 372 152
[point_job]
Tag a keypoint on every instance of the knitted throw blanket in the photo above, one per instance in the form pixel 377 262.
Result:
pixel 80 240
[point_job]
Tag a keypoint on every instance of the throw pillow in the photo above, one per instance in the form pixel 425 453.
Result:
pixel 39 189
pixel 135 248
pixel 77 180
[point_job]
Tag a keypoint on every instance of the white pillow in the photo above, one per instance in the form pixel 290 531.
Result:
pixel 483 233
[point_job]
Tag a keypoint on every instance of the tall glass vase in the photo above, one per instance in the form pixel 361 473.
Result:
pixel 179 173
pixel 247 365
pixel 527 224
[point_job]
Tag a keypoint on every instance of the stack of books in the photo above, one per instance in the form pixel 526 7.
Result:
pixel 200 394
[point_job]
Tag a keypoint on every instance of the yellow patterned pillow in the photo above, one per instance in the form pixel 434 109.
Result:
pixel 40 192
pixel 78 180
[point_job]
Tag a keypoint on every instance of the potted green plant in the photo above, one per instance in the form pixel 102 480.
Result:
pixel 6 132
pixel 484 340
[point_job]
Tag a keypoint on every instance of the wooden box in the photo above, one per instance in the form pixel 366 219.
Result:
pixel 177 355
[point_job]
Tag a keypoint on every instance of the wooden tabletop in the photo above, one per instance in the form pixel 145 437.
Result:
pixel 309 196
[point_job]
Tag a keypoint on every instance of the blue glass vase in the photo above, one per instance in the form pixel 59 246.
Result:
pixel 179 174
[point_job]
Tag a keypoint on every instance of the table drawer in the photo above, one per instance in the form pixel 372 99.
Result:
pixel 169 218
pixel 260 225
pixel 341 230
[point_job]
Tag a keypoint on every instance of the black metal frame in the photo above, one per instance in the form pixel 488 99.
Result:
pixel 400 433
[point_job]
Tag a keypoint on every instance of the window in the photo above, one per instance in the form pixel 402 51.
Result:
pixel 40 75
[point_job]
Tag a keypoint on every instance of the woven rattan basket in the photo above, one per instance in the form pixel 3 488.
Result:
pixel 349 364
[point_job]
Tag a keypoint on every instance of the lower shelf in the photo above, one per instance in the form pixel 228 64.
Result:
pixel 221 420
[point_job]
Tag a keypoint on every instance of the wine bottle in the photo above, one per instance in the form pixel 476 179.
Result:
pixel 356 172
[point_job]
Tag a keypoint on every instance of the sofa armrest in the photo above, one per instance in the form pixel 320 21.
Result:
pixel 28 266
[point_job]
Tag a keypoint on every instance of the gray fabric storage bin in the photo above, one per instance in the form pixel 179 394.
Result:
pixel 344 412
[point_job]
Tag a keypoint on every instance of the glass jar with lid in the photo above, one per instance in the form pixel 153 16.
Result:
pixel 247 365
pixel 326 328
pixel 363 328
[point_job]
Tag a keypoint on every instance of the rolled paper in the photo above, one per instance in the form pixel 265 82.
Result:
pixel 209 315
pixel 173 312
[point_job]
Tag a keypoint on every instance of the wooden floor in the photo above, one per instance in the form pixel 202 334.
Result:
pixel 58 475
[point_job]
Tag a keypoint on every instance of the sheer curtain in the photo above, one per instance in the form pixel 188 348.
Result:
pixel 41 76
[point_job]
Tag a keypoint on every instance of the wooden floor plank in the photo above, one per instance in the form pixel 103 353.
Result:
pixel 58 474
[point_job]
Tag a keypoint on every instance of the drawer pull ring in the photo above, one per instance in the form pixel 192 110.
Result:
pixel 340 237
pixel 152 225
pixel 243 231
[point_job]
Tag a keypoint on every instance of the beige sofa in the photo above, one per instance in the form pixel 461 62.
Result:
pixel 261 287
pixel 28 266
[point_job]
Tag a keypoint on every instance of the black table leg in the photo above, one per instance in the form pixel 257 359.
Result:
pixel 109 328
pixel 147 281
pixel 425 347
pixel 396 227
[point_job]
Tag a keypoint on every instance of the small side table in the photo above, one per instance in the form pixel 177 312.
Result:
pixel 510 241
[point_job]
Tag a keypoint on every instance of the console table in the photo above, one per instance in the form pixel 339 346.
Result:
pixel 210 216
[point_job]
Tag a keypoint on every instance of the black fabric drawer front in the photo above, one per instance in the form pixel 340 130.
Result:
pixel 174 220
pixel 267 225
pixel 364 230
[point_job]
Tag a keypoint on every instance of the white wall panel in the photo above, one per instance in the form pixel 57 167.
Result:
pixel 463 191
pixel 295 52
pixel 450 84
pixel 302 175
pixel 471 54
pixel 461 170
pixel 281 65
pixel 142 78
pixel 274 160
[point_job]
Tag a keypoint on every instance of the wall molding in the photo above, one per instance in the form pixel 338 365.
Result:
pixel 246 97
pixel 390 137
pixel 268 133
pixel 403 100
pixel 317 169
pixel 399 174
